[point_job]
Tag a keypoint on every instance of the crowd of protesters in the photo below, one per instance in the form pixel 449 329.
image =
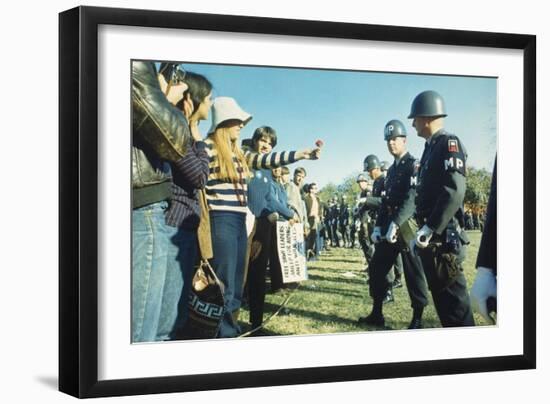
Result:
pixel 182 179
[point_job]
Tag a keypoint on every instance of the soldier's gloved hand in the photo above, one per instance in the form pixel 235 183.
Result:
pixel 376 235
pixel 391 234
pixel 423 236
pixel 484 287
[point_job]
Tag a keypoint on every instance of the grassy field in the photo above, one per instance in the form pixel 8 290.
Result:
pixel 336 295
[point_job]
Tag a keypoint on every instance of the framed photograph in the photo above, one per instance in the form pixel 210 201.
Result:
pixel 176 276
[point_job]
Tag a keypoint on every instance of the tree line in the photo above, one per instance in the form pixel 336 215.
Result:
pixel 478 184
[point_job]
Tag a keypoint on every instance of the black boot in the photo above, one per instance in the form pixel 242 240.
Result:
pixel 375 318
pixel 416 322
pixel 372 319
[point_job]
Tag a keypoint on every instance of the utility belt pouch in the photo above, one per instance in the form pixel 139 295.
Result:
pixel 452 240
pixel 408 230
pixel 447 269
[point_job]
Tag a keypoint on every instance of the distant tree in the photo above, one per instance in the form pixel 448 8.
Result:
pixel 478 186
pixel 327 192
pixel 347 187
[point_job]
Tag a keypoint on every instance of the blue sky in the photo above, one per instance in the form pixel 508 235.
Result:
pixel 348 111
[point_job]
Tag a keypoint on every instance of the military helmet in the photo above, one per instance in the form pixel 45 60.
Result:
pixel 361 177
pixel 428 104
pixel 384 165
pixel 394 128
pixel 371 162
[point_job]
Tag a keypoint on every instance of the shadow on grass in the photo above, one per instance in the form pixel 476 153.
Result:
pixel 339 259
pixel 317 316
pixel 339 292
pixel 358 280
pixel 348 325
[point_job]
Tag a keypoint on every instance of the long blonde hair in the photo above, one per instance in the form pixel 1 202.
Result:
pixel 225 150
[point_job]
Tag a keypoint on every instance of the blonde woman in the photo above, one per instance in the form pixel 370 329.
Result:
pixel 227 196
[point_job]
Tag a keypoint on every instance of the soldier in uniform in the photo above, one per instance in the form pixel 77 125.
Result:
pixel 334 217
pixel 468 221
pixel 326 225
pixel 371 205
pixel 353 227
pixel 475 219
pixel 343 221
pixel 441 186
pixel 394 230
pixel 364 219
pixel 398 267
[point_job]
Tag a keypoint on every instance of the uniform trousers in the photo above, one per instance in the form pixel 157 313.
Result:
pixel 344 230
pixel 334 232
pixel 451 301
pixel 365 242
pixel 398 267
pixel 384 258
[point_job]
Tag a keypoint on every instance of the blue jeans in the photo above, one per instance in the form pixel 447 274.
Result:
pixel 150 240
pixel 181 255
pixel 229 247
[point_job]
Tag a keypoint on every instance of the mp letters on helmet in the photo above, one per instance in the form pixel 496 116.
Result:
pixel 455 159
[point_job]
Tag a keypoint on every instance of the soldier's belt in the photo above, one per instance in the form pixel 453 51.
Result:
pixel 421 220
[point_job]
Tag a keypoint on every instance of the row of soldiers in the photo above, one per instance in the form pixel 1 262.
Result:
pixel 341 220
pixel 415 214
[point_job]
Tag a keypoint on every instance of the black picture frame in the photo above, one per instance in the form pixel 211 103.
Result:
pixel 78 200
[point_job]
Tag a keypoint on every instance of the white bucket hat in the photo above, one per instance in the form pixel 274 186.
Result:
pixel 224 109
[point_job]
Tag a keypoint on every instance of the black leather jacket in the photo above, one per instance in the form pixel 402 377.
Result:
pixel 160 135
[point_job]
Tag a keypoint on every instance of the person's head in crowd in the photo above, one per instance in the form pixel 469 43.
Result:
pixel 247 144
pixel 362 182
pixel 264 139
pixel 371 164
pixel 299 176
pixel 312 188
pixel 228 118
pixel 395 135
pixel 276 173
pixel 193 88
pixel 285 174
pixel 428 112
pixel 199 92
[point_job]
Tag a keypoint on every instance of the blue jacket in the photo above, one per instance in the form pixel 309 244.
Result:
pixel 279 201
pixel 265 196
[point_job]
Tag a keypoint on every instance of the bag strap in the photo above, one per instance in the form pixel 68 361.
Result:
pixel 206 267
pixel 203 232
